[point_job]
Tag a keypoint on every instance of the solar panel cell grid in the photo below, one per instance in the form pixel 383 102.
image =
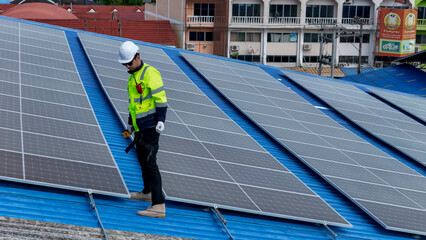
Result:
pixel 392 172
pixel 11 164
pixel 412 104
pixel 345 154
pixel 371 114
pixel 61 143
pixel 205 169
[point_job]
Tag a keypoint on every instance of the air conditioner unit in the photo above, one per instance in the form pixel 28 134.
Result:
pixel 378 64
pixel 417 49
pixel 306 47
pixel 235 47
pixel 190 46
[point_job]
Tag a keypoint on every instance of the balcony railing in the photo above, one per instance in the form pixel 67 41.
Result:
pixel 255 20
pixel 421 24
pixel 367 21
pixel 319 21
pixel 200 19
pixel 284 20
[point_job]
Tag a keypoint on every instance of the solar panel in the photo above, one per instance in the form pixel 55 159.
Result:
pixel 376 117
pixel 49 132
pixel 412 104
pixel 205 158
pixel 352 165
pixel 380 182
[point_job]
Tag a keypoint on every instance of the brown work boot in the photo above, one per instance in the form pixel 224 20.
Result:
pixel 140 196
pixel 157 211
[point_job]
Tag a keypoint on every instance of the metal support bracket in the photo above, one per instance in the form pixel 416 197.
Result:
pixel 333 234
pixel 221 219
pixel 92 203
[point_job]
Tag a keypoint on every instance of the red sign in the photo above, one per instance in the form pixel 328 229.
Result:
pixel 397 32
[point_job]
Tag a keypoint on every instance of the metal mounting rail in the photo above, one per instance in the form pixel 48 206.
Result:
pixel 221 219
pixel 333 234
pixel 92 203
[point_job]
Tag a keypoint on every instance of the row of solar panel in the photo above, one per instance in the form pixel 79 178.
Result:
pixel 203 151
pixel 50 134
pixel 369 177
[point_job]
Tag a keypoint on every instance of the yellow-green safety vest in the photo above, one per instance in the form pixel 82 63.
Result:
pixel 148 108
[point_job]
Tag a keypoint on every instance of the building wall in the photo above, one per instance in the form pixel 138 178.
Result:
pixel 200 46
pixel 262 49
pixel 172 10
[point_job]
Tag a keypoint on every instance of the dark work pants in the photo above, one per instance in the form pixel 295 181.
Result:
pixel 147 150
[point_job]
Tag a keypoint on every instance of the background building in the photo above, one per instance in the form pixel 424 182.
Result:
pixel 421 25
pixel 276 32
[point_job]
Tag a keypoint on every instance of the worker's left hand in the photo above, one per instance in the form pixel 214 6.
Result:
pixel 160 127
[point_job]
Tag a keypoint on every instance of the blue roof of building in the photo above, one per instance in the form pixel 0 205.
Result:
pixel 186 220
pixel 353 71
pixel 403 78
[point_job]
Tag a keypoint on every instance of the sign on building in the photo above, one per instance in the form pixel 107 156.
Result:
pixel 396 33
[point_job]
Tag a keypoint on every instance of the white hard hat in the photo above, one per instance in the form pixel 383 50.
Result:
pixel 127 52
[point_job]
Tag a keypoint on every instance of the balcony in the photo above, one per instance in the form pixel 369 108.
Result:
pixel 200 19
pixel 351 21
pixel 421 24
pixel 284 20
pixel 320 21
pixel 248 20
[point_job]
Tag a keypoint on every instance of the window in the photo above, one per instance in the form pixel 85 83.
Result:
pixel 201 36
pixel 356 11
pixel 355 39
pixel 246 10
pixel 310 59
pixel 245 37
pixel 315 37
pixel 204 9
pixel 420 39
pixel 277 58
pixel 352 59
pixel 282 37
pixel 249 58
pixel 421 14
pixel 320 11
pixel 282 10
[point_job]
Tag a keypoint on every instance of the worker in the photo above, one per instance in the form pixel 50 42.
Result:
pixel 147 114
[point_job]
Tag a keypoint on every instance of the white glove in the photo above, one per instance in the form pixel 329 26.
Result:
pixel 159 127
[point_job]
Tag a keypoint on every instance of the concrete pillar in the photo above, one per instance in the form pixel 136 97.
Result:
pixel 375 12
pixel 339 11
pixel 265 12
pixel 264 32
pixel 300 40
pixel 264 46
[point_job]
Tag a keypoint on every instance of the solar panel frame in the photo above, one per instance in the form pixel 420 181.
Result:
pixel 170 144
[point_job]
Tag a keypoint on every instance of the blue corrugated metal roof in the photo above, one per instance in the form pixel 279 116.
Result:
pixel 354 71
pixel 402 78
pixel 185 220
